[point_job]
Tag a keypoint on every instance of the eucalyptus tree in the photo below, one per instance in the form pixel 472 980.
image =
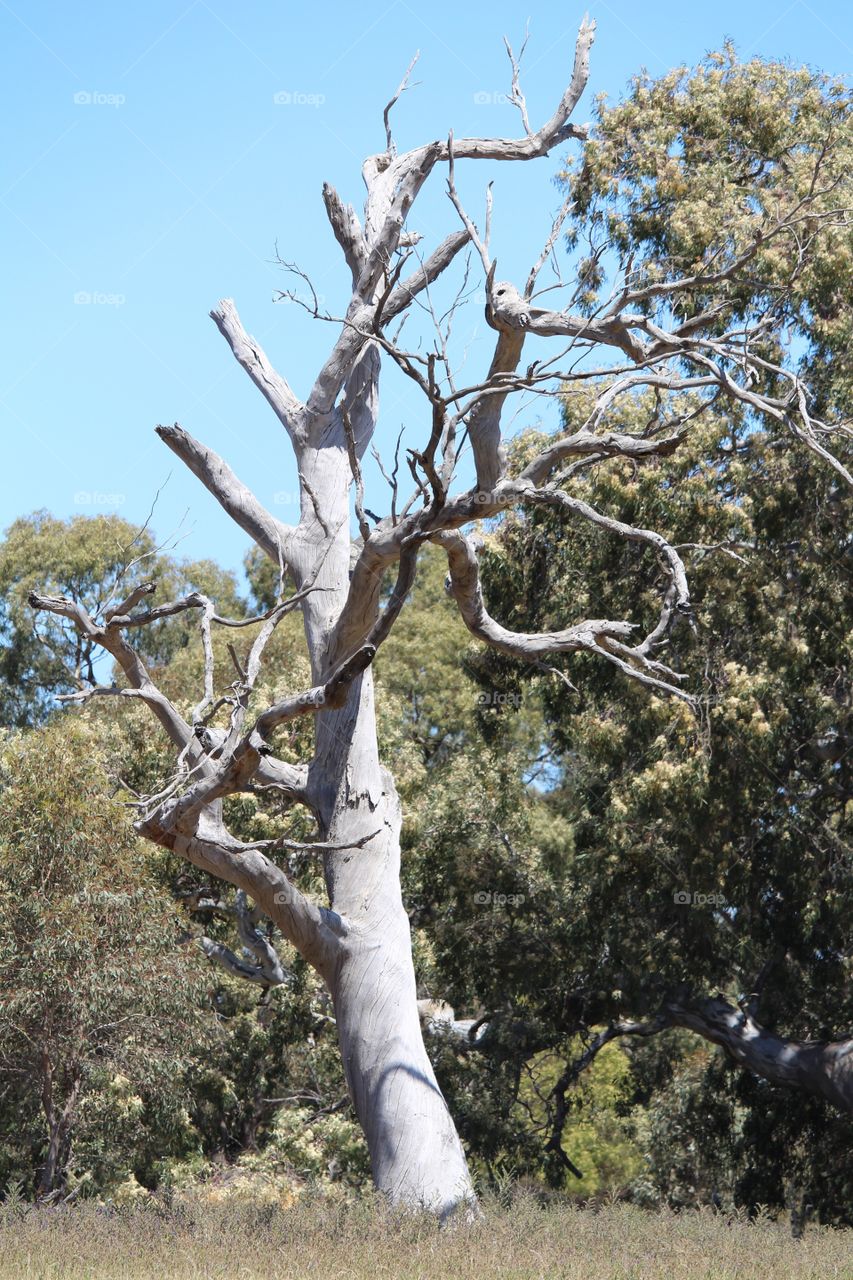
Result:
pixel 647 332
pixel 87 558
pixel 100 1009
pixel 707 881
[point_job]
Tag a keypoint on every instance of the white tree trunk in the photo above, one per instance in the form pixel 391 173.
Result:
pixel 416 1156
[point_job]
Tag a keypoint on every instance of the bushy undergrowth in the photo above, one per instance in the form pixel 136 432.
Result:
pixel 521 1239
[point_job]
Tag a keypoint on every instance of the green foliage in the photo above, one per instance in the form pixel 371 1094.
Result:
pixel 146 1110
pixel 682 174
pixel 94 560
pixel 751 801
pixel 599 1139
pixel 747 807
pixel 98 1003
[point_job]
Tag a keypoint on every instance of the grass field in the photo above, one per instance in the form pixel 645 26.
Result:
pixel 239 1242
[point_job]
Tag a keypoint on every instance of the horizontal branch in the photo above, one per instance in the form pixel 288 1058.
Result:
pixel 117 618
pixel 607 445
pixel 291 780
pixel 818 1067
pixel 615 332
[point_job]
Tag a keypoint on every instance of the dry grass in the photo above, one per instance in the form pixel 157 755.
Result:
pixel 235 1242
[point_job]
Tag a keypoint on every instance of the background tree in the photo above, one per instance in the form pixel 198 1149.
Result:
pixel 99 1006
pixel 709 869
pixel 705 325
pixel 89 560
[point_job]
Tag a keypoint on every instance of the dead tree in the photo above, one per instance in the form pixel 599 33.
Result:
pixel 360 943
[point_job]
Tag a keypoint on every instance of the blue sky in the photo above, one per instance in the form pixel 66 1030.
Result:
pixel 149 171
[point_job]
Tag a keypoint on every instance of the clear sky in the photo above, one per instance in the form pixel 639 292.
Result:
pixel 156 154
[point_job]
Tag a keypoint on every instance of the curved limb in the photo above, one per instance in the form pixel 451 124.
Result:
pixel 603 637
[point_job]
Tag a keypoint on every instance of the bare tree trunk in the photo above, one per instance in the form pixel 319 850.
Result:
pixel 58 1122
pixel 419 1161
pixel 415 1153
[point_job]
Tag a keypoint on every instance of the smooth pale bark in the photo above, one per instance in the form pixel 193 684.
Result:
pixel 416 1156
